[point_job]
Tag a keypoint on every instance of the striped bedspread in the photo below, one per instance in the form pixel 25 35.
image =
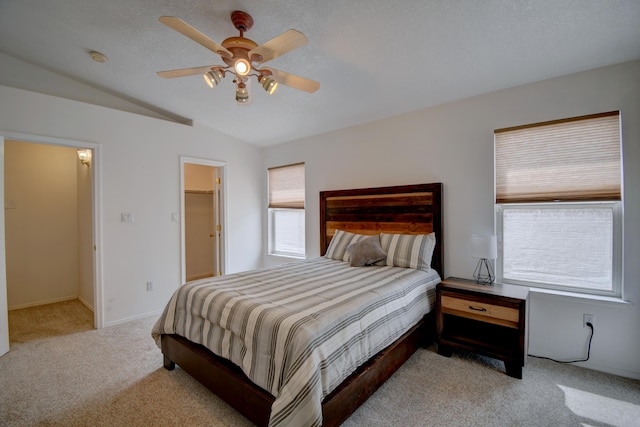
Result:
pixel 299 329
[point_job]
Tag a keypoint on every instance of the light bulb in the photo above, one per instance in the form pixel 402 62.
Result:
pixel 242 67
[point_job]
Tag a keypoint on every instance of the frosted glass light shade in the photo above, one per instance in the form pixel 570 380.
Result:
pixel 242 67
pixel 484 247
pixel 242 95
pixel 213 77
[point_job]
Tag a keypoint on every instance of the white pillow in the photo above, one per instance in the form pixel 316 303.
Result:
pixel 409 250
pixel 339 243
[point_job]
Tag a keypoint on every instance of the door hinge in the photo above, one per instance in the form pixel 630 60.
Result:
pixel 219 227
pixel 218 181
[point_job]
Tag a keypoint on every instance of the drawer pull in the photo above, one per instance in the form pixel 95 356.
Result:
pixel 477 309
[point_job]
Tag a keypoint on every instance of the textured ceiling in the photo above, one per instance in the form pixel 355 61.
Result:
pixel 373 58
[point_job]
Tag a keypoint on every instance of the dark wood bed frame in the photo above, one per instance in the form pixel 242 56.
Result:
pixel 408 209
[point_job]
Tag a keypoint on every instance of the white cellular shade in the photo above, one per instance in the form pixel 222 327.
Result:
pixel 574 159
pixel 286 210
pixel 286 186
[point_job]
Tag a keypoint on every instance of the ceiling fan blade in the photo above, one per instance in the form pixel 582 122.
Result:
pixel 183 72
pixel 294 81
pixel 279 45
pixel 185 29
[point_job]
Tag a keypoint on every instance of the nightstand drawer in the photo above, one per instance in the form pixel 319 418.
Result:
pixel 490 313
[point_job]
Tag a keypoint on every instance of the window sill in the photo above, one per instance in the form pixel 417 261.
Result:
pixel 287 256
pixel 575 295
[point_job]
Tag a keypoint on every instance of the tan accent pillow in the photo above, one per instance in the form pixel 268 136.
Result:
pixel 366 252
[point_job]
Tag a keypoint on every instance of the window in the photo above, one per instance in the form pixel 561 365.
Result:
pixel 286 210
pixel 559 204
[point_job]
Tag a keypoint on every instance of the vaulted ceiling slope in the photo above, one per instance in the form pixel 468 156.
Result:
pixel 373 58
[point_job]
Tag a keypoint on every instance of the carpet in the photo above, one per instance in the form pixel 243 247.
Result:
pixel 114 377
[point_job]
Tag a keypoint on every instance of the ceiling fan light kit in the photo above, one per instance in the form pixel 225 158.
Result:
pixel 242 94
pixel 213 77
pixel 268 84
pixel 239 54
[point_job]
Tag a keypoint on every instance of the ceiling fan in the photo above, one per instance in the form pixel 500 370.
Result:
pixel 240 55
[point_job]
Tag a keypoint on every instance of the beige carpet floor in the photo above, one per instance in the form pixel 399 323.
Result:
pixel 114 377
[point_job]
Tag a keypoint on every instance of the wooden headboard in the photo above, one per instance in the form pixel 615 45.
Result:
pixel 405 209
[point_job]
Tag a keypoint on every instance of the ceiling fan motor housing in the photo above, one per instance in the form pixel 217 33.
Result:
pixel 240 48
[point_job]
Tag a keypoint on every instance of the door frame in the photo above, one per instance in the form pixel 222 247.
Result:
pixel 98 292
pixel 223 208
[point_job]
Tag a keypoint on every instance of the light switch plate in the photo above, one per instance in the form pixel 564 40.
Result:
pixel 127 217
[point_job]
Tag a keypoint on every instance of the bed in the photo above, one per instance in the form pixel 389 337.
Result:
pixel 318 379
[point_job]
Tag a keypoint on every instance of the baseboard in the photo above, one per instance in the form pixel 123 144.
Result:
pixel 129 319
pixel 594 366
pixel 37 303
pixel 610 370
pixel 86 304
pixel 200 276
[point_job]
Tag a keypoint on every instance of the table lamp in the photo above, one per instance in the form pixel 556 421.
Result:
pixel 485 248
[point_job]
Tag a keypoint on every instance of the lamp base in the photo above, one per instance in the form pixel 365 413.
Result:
pixel 484 273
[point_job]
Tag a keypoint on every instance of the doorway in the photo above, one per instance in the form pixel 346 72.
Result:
pixel 83 173
pixel 203 214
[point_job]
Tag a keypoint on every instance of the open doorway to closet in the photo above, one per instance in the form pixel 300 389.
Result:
pixel 203 213
pixel 49 245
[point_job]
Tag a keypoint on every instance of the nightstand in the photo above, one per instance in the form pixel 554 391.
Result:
pixel 485 319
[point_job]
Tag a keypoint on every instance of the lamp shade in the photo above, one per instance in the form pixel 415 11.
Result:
pixel 484 247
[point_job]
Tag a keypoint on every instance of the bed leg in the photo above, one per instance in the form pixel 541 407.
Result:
pixel 444 350
pixel 168 364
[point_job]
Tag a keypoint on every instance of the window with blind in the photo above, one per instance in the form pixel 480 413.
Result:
pixel 286 210
pixel 558 204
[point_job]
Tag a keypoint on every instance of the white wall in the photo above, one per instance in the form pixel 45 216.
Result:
pixel 139 163
pixel 453 144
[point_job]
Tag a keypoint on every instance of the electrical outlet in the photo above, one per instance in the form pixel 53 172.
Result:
pixel 588 318
pixel 149 286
